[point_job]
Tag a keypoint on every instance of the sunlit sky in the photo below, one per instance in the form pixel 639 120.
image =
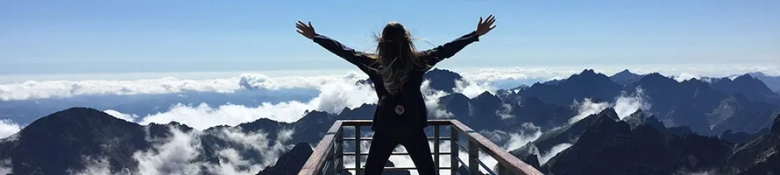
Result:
pixel 91 36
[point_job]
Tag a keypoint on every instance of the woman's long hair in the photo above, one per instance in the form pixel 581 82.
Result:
pixel 396 57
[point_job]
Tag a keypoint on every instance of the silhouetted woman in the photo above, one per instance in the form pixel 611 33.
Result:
pixel 397 72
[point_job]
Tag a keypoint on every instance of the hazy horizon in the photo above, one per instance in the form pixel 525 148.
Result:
pixel 702 70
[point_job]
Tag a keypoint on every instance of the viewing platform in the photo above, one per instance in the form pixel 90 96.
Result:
pixel 328 156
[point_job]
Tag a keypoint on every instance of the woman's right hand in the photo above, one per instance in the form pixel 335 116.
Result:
pixel 485 26
pixel 306 30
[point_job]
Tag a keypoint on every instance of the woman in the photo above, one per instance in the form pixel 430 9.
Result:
pixel 397 71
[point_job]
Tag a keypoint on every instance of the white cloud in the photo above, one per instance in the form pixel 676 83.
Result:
pixel 257 141
pixel 65 88
pixel 119 115
pixel 178 155
pixel 543 158
pixel 432 101
pixel 505 111
pixel 626 105
pixel 8 128
pixel 585 108
pixel 516 73
pixel 334 97
pixel 173 157
pixel 471 88
pixel 712 171
pixel 6 167
pixel 529 134
pixel 97 166
pixel 204 116
pixel 685 76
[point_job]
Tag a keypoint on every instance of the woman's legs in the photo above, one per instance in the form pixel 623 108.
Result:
pixel 379 153
pixel 417 146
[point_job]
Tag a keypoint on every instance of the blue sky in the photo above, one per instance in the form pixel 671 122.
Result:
pixel 92 36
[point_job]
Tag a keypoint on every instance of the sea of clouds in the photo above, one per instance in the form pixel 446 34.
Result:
pixel 337 91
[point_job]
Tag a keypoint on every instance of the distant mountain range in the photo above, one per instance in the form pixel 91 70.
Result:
pixel 696 125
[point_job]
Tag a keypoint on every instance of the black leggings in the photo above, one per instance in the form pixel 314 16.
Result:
pixel 416 144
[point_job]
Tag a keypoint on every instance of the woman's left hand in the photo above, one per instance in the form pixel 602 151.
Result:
pixel 485 26
pixel 306 30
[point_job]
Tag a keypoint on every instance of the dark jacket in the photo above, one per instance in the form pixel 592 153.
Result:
pixel 415 116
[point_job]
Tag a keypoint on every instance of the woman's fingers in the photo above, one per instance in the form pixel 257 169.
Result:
pixel 487 22
pixel 303 27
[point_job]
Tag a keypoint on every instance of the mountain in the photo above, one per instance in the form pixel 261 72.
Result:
pixel 752 88
pixel 609 146
pixel 570 133
pixel 484 113
pixel 55 143
pixel 70 140
pixel 758 156
pixel 612 147
pixel 541 114
pixel 291 162
pixel 587 84
pixel 707 107
pixel 741 137
pixel 625 77
pixel 490 112
pixel 773 82
pixel 692 105
pixel 442 79
pixel 696 104
pixel 566 134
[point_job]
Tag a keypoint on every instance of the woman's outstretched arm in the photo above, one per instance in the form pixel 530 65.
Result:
pixel 448 50
pixel 333 46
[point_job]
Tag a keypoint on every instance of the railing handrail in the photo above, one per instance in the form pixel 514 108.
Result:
pixel 510 162
pixel 506 161
pixel 314 163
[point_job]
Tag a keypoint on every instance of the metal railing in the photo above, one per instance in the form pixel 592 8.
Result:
pixel 328 156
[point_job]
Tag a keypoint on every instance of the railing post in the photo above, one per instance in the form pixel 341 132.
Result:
pixel 453 150
pixel 473 157
pixel 357 150
pixel 502 170
pixel 339 158
pixel 436 148
pixel 325 169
